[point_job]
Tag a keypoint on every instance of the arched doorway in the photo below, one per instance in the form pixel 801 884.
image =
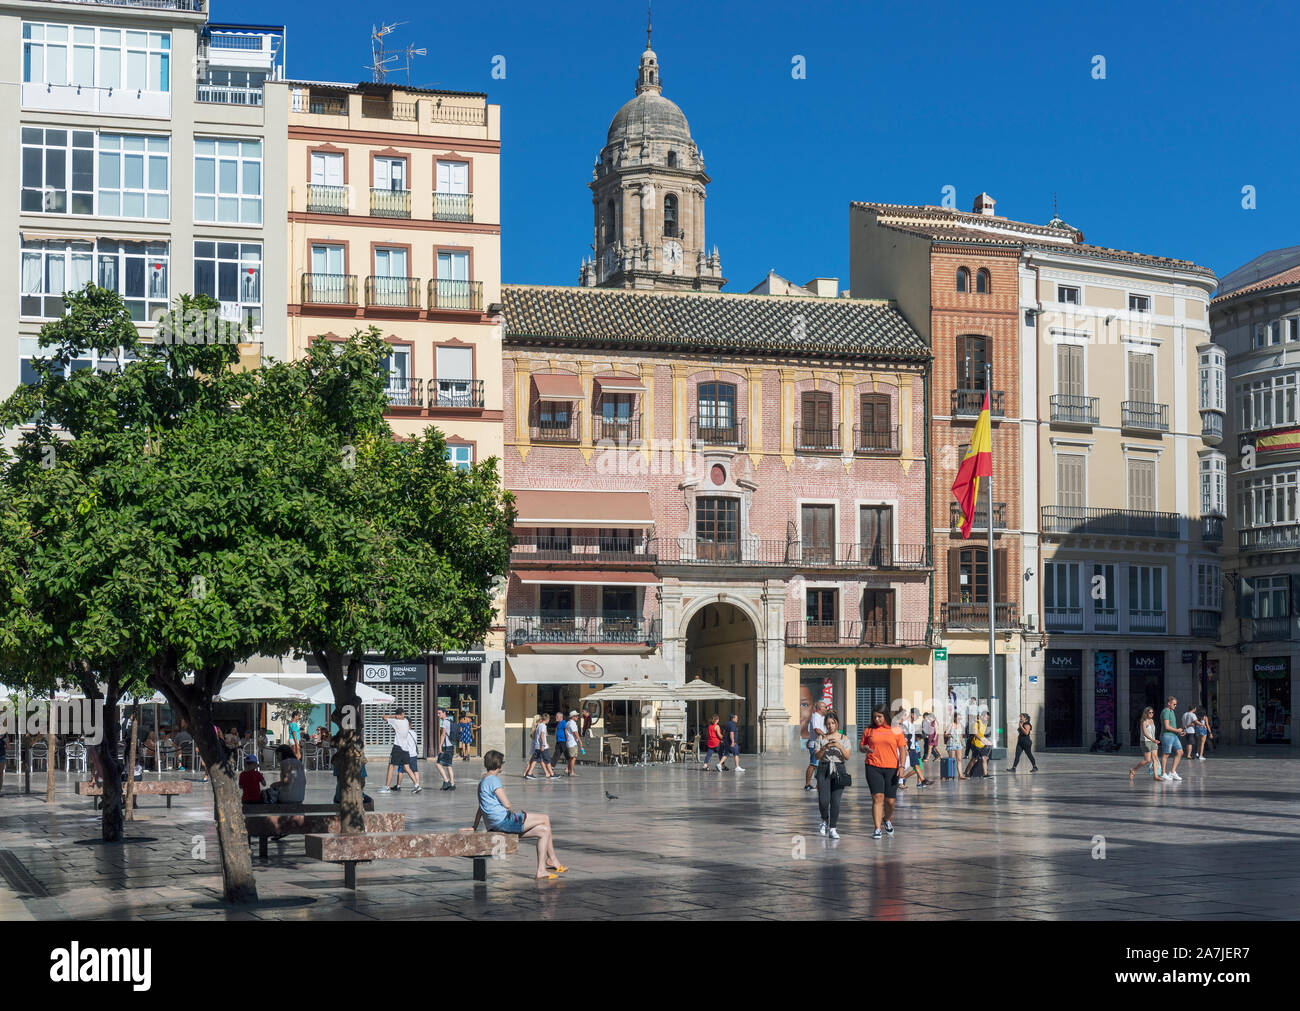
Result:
pixel 722 648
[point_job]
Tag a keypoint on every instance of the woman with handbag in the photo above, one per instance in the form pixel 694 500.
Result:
pixel 832 774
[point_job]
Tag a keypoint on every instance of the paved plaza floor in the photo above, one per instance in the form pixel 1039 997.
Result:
pixel 679 843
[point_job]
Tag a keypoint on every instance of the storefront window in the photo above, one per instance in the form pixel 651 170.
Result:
pixel 1272 699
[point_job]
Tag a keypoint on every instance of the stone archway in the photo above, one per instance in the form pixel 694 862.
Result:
pixel 721 646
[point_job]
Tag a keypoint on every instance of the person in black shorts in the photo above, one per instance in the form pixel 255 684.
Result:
pixel 884 749
pixel 1024 743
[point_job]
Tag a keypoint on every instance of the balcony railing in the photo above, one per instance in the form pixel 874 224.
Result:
pixel 746 551
pixel 1212 529
pixel 961 614
pixel 327 199
pixel 1087 520
pixel 1063 619
pixel 1147 621
pixel 715 432
pixel 981 516
pixel 447 294
pixel 861 556
pixel 1268 629
pixel 1279 538
pixel 325 105
pixel 1211 426
pixel 1142 416
pixel 1105 619
pixel 969 403
pixel 453 207
pixel 582 549
pixel 382 108
pixel 221 94
pixel 456 393
pixel 1204 623
pixel 329 289
pixel 867 441
pixel 523 630
pixel 550 430
pixel 1070 409
pixel 856 633
pixel 619 431
pixel 816 440
pixel 403 391
pixel 393 292
pixel 163 5
pixel 390 203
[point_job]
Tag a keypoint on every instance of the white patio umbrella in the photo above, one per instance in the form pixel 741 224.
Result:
pixel 259 689
pixel 698 690
pixel 635 691
pixel 323 694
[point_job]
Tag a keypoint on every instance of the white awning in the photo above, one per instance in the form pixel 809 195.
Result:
pixel 586 669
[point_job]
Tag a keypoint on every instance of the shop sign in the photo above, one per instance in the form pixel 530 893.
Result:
pixel 1033 679
pixel 855 661
pixel 464 658
pixel 393 673
pixel 1065 661
pixel 1189 656
pixel 589 668
pixel 1269 668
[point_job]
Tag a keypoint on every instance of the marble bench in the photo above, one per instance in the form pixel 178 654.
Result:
pixel 350 850
pixel 265 826
pixel 168 788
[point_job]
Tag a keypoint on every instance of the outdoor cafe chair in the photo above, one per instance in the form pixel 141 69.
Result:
pixel 311 755
pixel 40 753
pixel 74 754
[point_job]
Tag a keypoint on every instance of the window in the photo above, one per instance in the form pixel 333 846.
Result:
pixel 1275 332
pixel 455 371
pixel 963 280
pixel 231 272
pixel 1067 294
pixel 1142 485
pixel 1069 372
pixel 228 180
pixel 717 406
pixel 1214 484
pixel 1267 499
pixel 878 616
pixel 1139 303
pixel 1293 328
pixel 554 415
pixel 1146 591
pixel 876 535
pixel 397 364
pixel 611 226
pixel 1268 402
pixel 816 431
pixel 717 528
pixel 58 165
pixel 555 603
pixel 1212 374
pixel 1141 377
pixel 452 286
pixel 672 159
pixel 618 604
pixel 875 431
pixel 29 348
pixel 1072 480
pixel 968 575
pixel 818 527
pixel 820 610
pixel 972 355
pixel 1061 602
pixel 616 417
pixel 670 215
pixel 1104 592
pixel 50 268
pixel 390 174
pixel 1208 591
pixel 453 177
pixel 461 456
pixel 391 263
pixel 133 176
pixel 326 169
pixel 1270 599
pixel 95 57
pixel 1260 338
pixel 983 283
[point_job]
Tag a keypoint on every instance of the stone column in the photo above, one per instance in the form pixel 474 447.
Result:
pixel 773 717
pixel 492 698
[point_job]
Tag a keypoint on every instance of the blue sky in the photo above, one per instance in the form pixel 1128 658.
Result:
pixel 899 101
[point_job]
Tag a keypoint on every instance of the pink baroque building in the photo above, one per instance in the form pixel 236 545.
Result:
pixel 730 487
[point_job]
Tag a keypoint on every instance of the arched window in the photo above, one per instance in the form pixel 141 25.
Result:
pixel 670 215
pixel 672 159
pixel 983 283
pixel 963 279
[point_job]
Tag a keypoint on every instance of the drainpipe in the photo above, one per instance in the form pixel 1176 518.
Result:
pixel 1038 468
pixel 929 522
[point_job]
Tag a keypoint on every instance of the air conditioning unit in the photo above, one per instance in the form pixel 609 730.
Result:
pixel 1031 622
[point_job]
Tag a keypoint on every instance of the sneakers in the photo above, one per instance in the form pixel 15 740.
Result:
pixel 1174 776
pixel 530 776
pixel 418 788
pixel 821 829
pixel 877 834
pixel 1166 777
pixel 385 790
pixel 834 834
pixel 807 787
pixel 445 786
pixel 739 768
pixel 1199 758
pixel 889 827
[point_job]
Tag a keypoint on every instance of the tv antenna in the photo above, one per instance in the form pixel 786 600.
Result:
pixel 383 63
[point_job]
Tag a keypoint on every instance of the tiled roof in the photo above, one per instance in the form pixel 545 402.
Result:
pixel 858 328
pixel 1280 280
pixel 941 224
pixel 372 87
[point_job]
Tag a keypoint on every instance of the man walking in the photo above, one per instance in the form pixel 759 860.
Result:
pixel 731 744
pixel 574 740
pixel 401 758
pixel 446 752
pixel 816 731
pixel 1170 732
pixel 563 753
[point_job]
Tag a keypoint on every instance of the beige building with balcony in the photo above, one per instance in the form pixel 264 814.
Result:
pixel 394 213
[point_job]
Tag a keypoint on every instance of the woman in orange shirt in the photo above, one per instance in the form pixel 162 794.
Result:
pixel 884 747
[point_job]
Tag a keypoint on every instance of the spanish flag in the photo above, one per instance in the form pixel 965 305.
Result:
pixel 977 464
pixel 1277 440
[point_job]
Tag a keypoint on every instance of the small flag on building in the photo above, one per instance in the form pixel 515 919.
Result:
pixel 978 463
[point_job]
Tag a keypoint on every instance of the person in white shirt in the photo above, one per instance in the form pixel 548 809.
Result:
pixel 541 753
pixel 402 757
pixel 816 731
pixel 574 739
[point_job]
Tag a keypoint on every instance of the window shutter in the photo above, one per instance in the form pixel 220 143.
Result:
pixel 823 402
pixel 1141 490
pixel 1070 480
pixel 809 414
pixel 1001 591
pixel 1245 598
pixel 1141 378
pixel 954 574
pixel 1069 370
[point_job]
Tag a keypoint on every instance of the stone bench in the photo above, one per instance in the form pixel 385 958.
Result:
pixel 329 823
pixel 168 788
pixel 270 809
pixel 350 850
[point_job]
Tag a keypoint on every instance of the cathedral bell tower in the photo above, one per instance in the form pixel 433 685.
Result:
pixel 648 189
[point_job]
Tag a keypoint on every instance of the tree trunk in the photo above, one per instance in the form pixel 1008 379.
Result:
pixel 350 739
pixel 111 825
pixel 52 741
pixel 238 882
pixel 130 766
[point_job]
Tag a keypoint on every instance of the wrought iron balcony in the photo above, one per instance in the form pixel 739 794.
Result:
pixel 198 6
pixel 1105 619
pixel 1278 538
pixel 1147 622
pixel 453 207
pixel 1269 629
pixel 327 199
pixel 969 403
pixel 1083 521
pixel 816 440
pixel 718 432
pixel 447 294
pixel 857 633
pixel 523 630
pixel 861 556
pixel 403 391
pixel 967 615
pixel 581 549
pixel 556 430
pixel 1063 619
pixel 1204 623
pixel 1212 529
pixel 329 289
pixel 981 516
pixel 745 551
pixel 869 441
pixel 1142 416
pixel 1212 427
pixel 390 203
pixel 1069 409
pixel 620 431
pixel 456 393
pixel 393 292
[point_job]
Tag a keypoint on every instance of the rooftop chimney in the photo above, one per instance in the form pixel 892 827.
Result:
pixel 984 204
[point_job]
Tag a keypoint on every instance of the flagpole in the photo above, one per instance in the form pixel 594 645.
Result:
pixel 993 597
